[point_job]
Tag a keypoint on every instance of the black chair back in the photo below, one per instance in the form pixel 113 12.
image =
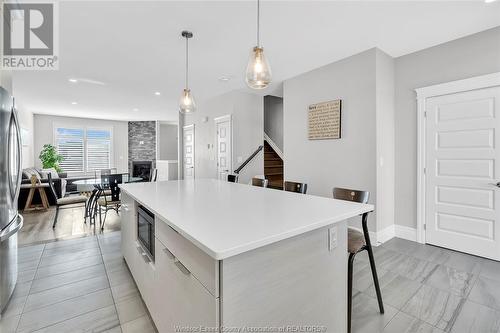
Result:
pixel 295 187
pixel 52 195
pixel 351 195
pixel 114 181
pixel 232 178
pixel 111 182
pixel 259 182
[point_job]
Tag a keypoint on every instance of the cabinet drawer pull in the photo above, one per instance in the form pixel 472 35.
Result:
pixel 181 267
pixel 168 253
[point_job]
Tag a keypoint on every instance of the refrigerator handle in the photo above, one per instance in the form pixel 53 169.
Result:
pixel 15 226
pixel 18 155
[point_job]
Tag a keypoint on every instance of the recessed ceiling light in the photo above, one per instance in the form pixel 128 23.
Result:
pixel 135 109
pixel 73 80
pixel 224 78
pixel 489 1
pixel 157 93
pixel 74 103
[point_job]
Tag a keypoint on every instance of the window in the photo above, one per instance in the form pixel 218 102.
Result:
pixel 70 144
pixel 98 149
pixel 84 149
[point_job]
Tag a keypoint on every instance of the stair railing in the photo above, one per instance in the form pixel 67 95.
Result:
pixel 249 159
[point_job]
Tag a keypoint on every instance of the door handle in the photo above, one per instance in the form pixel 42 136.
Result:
pixel 15 123
pixel 15 227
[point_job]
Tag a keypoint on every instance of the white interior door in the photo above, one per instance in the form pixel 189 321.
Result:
pixel 188 151
pixel 462 164
pixel 224 146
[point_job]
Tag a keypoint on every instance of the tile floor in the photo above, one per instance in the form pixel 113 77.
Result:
pixel 83 285
pixel 77 285
pixel 426 289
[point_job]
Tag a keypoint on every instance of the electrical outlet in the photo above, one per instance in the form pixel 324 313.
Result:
pixel 332 238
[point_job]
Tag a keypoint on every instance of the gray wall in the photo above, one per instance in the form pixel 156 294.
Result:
pixel 346 162
pixel 273 119
pixel 44 133
pixel 247 112
pixel 141 142
pixel 168 141
pixel 384 89
pixel 26 120
pixel 470 56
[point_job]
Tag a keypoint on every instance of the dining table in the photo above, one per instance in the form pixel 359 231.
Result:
pixel 89 187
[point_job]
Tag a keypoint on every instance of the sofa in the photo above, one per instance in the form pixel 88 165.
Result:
pixel 58 179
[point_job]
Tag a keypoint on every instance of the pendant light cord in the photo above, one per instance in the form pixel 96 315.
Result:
pixel 258 23
pixel 187 62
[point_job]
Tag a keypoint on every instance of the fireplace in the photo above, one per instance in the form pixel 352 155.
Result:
pixel 142 169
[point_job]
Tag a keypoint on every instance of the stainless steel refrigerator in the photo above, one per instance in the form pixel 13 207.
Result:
pixel 10 182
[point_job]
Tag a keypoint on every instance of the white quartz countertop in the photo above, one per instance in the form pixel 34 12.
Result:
pixel 225 219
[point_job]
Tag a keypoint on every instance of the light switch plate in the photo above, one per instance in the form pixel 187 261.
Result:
pixel 332 238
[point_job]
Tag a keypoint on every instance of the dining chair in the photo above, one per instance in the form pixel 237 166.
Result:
pixel 259 182
pixel 109 202
pixel 295 187
pixel 101 172
pixel 358 241
pixel 232 178
pixel 64 201
pixel 154 175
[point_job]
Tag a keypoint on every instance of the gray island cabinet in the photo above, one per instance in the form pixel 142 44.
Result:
pixel 230 257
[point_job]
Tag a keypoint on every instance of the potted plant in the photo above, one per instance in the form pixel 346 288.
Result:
pixel 50 158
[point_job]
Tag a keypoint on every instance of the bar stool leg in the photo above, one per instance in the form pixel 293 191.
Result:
pixel 375 278
pixel 350 267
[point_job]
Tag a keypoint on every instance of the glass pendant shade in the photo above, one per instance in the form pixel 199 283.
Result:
pixel 187 103
pixel 258 74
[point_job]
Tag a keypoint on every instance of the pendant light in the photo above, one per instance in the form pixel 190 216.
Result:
pixel 258 74
pixel 186 102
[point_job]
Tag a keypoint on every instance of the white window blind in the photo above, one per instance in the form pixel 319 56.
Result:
pixel 70 144
pixel 98 149
pixel 84 150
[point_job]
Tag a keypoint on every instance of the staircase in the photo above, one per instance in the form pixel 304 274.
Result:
pixel 273 167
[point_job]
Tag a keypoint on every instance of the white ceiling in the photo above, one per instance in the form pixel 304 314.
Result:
pixel 135 47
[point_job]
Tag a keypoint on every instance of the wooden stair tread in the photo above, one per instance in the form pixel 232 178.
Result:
pixel 273 167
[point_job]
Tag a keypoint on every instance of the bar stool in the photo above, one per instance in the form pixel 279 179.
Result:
pixel 295 187
pixel 259 182
pixel 357 242
pixel 232 178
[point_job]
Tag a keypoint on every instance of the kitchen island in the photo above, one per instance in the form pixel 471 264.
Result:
pixel 226 256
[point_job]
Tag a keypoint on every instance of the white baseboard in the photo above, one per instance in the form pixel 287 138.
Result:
pixel 385 234
pixel 390 232
pixel 379 237
pixel 405 232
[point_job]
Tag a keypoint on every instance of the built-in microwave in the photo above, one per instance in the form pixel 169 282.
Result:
pixel 146 230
